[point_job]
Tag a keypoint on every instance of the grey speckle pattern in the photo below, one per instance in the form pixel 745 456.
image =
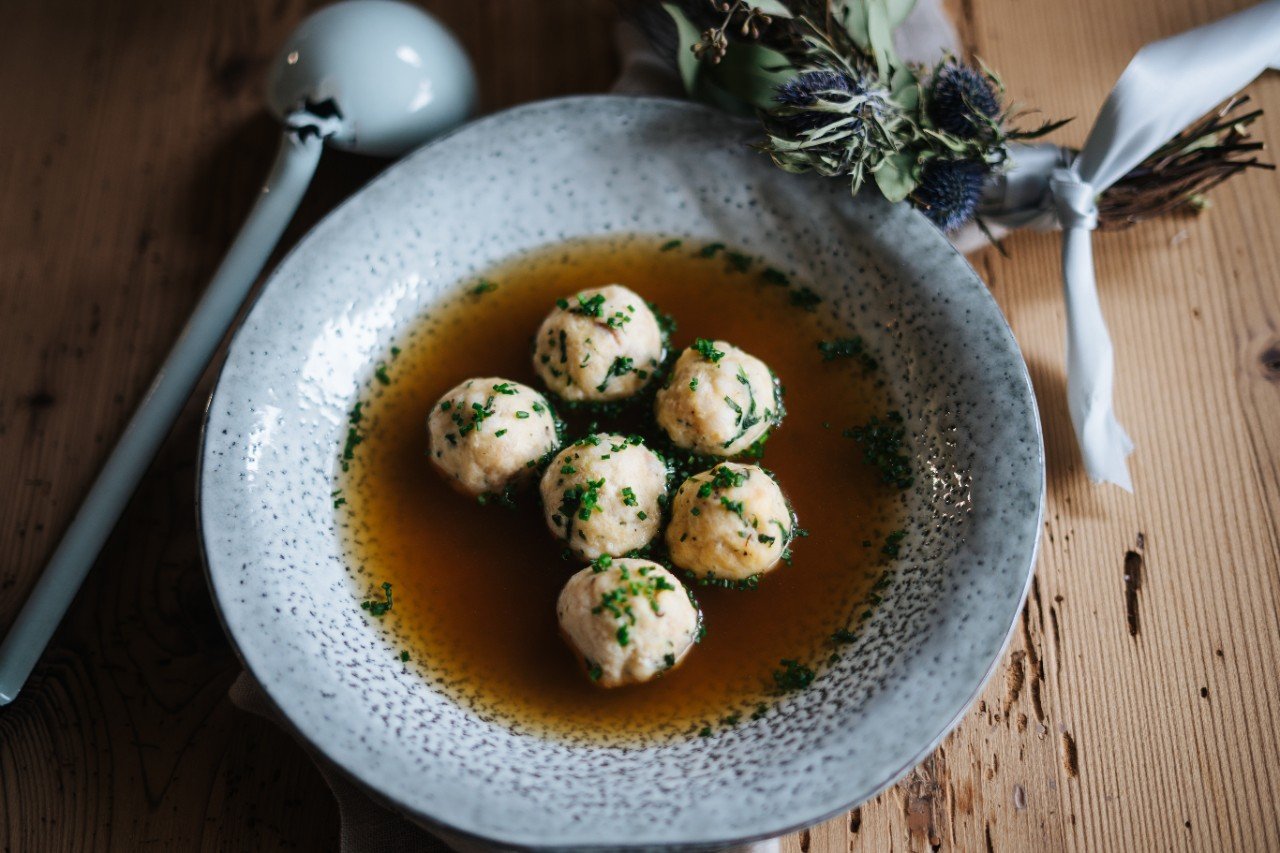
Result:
pixel 582 167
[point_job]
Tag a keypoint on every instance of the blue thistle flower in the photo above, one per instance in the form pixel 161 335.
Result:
pixel 949 191
pixel 809 87
pixel 962 100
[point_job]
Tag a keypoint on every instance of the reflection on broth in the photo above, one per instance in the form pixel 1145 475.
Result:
pixel 475 586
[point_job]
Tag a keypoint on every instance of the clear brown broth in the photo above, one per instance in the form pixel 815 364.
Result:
pixel 475 586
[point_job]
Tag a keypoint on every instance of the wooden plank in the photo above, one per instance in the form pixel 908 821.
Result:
pixel 1135 706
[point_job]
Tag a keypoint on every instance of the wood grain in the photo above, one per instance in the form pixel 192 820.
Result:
pixel 1135 707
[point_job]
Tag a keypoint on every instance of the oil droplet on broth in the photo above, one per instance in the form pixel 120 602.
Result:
pixel 475 586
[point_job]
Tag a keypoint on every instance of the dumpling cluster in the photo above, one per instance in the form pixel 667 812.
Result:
pixel 606 496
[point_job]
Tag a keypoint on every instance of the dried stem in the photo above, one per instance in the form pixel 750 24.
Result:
pixel 1178 174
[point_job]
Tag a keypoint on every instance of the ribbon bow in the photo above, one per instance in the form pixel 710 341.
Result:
pixel 1167 85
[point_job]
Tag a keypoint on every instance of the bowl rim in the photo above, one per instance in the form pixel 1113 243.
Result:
pixel 435 824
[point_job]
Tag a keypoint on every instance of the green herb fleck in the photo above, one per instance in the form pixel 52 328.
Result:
pixel 883 443
pixel 378 607
pixel 709 250
pixel 750 582
pixel 771 275
pixel 483 287
pixel 724 477
pixel 806 298
pixel 893 543
pixel 848 348
pixel 671 244
pixel 589 307
pixel 738 262
pixel 590 499
pixel 621 367
pixel 349 448
pixel 756 450
pixel 707 349
pixel 792 676
pixel 404 656
pixel 734 507
pixel 744 420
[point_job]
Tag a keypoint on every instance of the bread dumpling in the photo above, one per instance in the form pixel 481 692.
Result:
pixel 730 522
pixel 718 400
pixel 487 435
pixel 603 494
pixel 599 345
pixel 628 619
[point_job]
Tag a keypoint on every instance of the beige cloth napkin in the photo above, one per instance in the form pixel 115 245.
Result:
pixel 368 827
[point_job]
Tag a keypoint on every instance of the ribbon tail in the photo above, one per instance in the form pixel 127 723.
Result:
pixel 1091 368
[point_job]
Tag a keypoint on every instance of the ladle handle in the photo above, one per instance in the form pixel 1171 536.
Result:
pixel 111 491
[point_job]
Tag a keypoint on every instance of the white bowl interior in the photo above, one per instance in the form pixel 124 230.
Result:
pixel 585 167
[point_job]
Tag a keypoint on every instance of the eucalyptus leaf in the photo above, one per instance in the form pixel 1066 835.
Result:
pixel 752 73
pixel 776 8
pixel 853 16
pixel 898 11
pixel 687 35
pixel 905 88
pixel 880 37
pixel 895 175
pixel 710 91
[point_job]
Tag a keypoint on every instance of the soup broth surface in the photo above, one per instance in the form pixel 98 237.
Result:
pixel 474 587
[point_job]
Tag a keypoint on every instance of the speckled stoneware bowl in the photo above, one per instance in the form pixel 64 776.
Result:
pixel 591 166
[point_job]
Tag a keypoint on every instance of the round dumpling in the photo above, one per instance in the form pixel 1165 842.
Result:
pixel 719 400
pixel 628 619
pixel 731 522
pixel 487 435
pixel 603 494
pixel 598 345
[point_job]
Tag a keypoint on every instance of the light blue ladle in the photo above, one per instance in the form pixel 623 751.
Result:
pixel 372 76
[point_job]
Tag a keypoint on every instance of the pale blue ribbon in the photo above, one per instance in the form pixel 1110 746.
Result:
pixel 1168 85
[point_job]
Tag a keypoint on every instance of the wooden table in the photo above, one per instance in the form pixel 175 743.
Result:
pixel 1136 706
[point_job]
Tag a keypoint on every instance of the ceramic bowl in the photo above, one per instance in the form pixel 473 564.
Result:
pixel 581 167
